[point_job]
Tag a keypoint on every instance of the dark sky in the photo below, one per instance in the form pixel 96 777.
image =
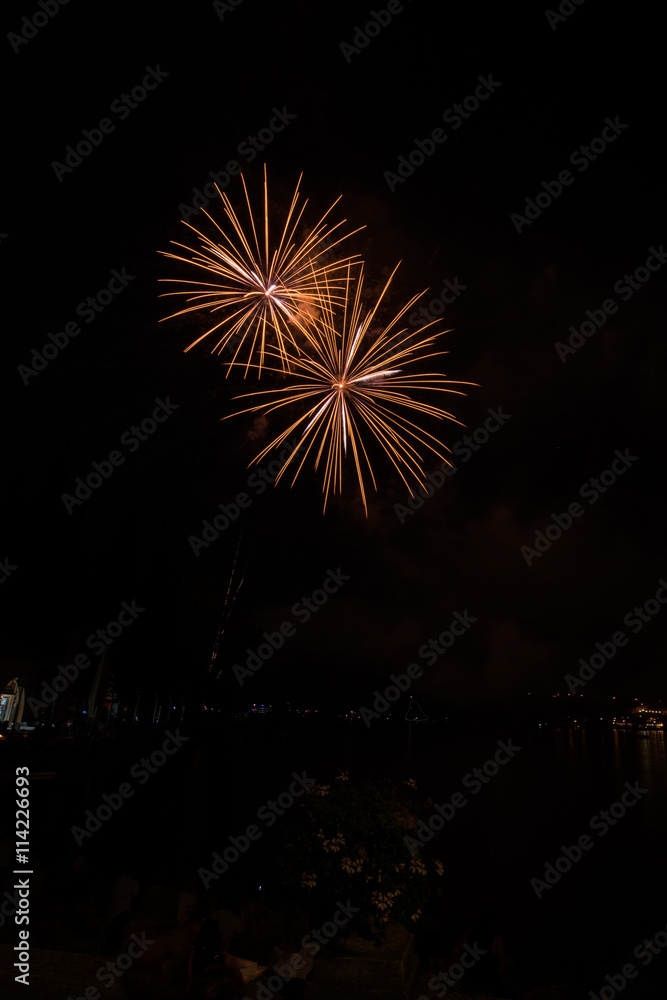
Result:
pixel 223 73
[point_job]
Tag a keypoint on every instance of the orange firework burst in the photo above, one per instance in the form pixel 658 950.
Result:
pixel 347 385
pixel 263 291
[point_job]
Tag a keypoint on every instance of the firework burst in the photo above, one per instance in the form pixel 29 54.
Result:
pixel 263 291
pixel 349 386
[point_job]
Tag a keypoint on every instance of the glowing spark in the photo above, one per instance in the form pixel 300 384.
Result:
pixel 346 389
pixel 262 289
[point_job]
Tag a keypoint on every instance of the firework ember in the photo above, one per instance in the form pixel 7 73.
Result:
pixel 350 385
pixel 263 290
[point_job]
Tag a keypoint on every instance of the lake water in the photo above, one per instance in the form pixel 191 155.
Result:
pixel 587 925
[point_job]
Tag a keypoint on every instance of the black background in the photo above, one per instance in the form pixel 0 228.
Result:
pixel 451 219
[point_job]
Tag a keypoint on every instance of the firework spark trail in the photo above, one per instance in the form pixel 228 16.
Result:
pixel 349 388
pixel 263 294
pixel 228 607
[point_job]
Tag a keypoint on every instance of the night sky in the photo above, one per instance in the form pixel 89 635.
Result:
pixel 221 73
